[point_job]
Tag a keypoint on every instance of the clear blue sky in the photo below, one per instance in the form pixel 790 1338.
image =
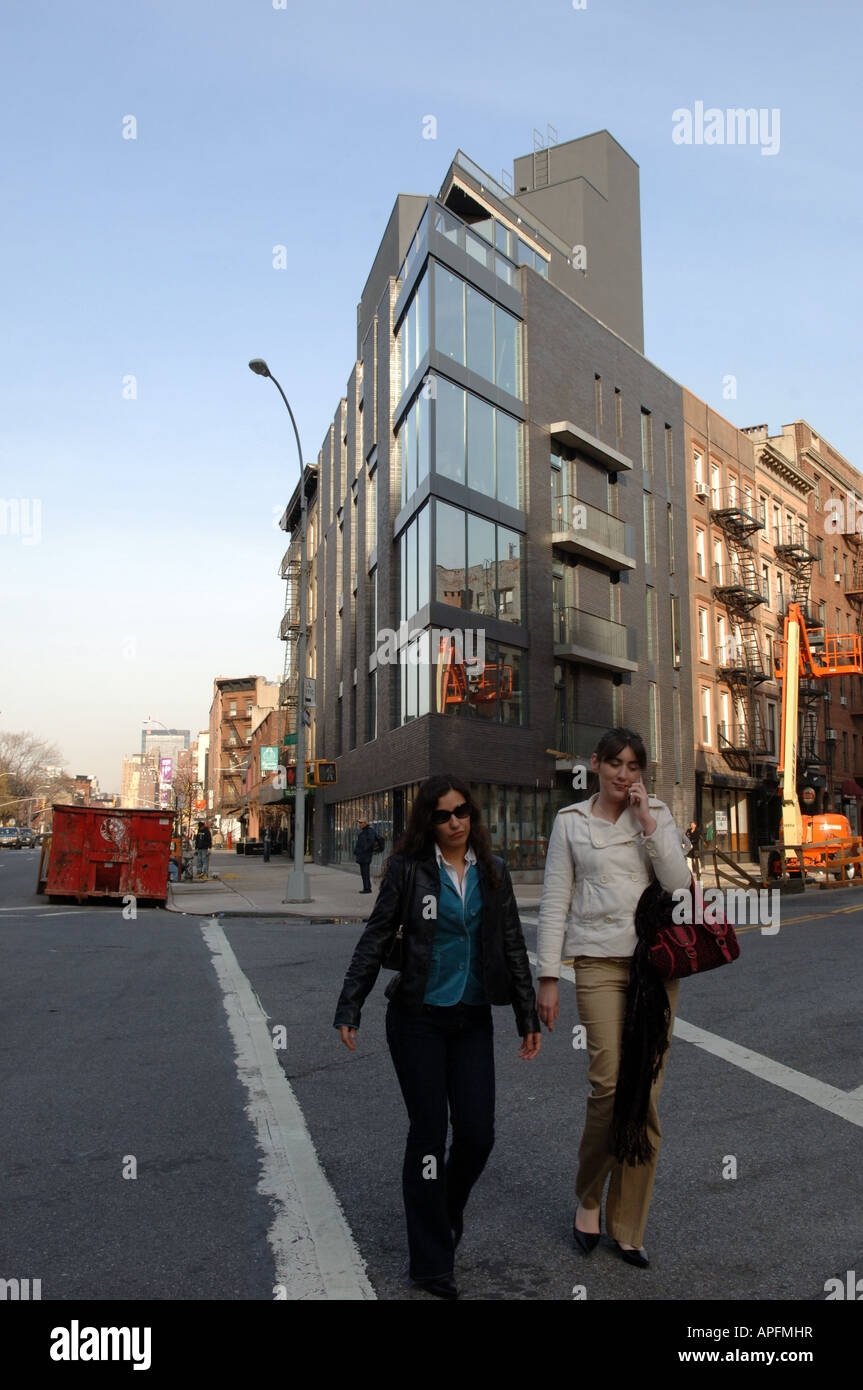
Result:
pixel 156 564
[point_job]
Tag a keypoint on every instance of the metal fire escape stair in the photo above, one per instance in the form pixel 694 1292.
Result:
pixel 741 665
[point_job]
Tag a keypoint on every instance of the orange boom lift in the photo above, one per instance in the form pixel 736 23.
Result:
pixel 811 653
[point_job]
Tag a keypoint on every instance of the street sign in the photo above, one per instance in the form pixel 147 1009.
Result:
pixel 269 758
pixel 290 739
pixel 309 686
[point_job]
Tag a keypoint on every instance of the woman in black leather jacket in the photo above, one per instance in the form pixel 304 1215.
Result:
pixel 462 951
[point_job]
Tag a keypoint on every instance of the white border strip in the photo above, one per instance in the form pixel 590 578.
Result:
pixel 315 1253
pixel 848 1105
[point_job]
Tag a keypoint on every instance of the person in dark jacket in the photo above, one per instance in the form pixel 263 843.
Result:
pixel 694 836
pixel 363 851
pixel 462 950
pixel 203 845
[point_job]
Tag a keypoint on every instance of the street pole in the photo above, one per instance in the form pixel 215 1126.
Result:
pixel 298 884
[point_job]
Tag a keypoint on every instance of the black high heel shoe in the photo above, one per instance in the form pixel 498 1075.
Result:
pixel 586 1241
pixel 442 1287
pixel 633 1257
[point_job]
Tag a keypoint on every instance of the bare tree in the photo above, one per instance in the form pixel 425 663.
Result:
pixel 23 760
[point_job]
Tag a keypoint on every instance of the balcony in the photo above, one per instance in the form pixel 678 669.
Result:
pixel 574 437
pixel 791 541
pixel 744 748
pixel 737 586
pixel 576 741
pixel 290 566
pixel 290 623
pixel 595 641
pixel 581 529
pixel 731 511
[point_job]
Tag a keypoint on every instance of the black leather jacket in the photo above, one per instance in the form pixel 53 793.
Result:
pixel 505 966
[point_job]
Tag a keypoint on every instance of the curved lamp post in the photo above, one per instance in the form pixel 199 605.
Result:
pixel 298 883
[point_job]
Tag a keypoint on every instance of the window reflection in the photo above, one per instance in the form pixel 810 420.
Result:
pixel 481 682
pixel 450 555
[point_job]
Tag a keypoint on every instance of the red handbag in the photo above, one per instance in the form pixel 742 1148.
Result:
pixel 705 942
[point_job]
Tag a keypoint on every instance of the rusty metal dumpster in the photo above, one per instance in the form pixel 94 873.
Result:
pixel 108 852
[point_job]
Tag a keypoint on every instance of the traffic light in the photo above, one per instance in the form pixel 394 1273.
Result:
pixel 291 775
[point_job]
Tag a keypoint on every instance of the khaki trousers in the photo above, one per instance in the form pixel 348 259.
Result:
pixel 600 990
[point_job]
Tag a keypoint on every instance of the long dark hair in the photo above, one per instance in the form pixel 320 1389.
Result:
pixel 616 740
pixel 418 840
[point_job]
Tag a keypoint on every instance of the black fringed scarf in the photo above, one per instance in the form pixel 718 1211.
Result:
pixel 645 1038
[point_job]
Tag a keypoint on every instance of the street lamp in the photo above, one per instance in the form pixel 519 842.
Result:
pixel 298 883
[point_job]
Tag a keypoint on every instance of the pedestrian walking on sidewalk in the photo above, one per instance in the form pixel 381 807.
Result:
pixel 267 845
pixel 602 854
pixel 461 950
pixel 203 845
pixel 366 844
pixel 693 834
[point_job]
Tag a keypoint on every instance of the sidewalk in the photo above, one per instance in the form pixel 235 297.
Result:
pixel 247 887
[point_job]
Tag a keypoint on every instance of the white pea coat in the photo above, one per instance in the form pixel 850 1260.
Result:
pixel 595 873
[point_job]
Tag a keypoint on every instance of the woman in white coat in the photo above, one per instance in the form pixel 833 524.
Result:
pixel 602 854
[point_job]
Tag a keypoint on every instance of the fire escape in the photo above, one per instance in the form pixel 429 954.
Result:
pixel 854 595
pixel 791 547
pixel 741 665
pixel 289 632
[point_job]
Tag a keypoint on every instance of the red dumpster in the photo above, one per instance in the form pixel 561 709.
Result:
pixel 108 852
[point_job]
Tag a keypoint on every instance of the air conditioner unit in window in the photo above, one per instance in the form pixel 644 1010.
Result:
pixel 837 579
pixel 831 736
pixel 702 490
pixel 843 699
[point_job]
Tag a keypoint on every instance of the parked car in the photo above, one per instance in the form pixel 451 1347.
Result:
pixel 28 839
pixel 10 837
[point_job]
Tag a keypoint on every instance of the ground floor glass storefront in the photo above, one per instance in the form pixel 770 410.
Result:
pixel 519 820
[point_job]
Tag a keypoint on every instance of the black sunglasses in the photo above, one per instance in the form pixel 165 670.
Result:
pixel 441 817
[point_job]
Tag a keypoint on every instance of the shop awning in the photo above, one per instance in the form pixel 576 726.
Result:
pixel 852 789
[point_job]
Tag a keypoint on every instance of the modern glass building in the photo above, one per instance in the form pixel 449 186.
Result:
pixel 494 566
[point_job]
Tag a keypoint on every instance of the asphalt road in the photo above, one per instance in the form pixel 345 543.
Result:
pixel 115 1043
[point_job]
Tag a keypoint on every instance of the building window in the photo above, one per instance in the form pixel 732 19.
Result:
pixel 414 560
pixel 649 531
pixel 650 612
pixel 765 584
pixel 479 565
pixel 717 562
pixel 699 553
pixel 413 334
pixel 654 750
pixel 703 641
pixel 817 492
pixel 698 466
pixel 597 405
pixel 675 632
pixel 618 418
pixel 819 544
pixel 669 516
pixel 705 716
pixel 371 512
pixel 472 330
pixel 669 460
pixel 413 446
pixel 715 485
pixel 724 716
pixel 489 686
pixel 476 444
pixel 372 707
pixel 647 444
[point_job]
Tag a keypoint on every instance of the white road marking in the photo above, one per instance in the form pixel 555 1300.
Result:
pixel 848 1105
pixel 315 1253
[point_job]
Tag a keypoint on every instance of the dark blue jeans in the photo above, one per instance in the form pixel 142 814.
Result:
pixel 444 1061
pixel 365 870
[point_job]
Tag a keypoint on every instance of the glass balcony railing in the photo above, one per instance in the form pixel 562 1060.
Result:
pixel 571 515
pixel 578 740
pixel 574 627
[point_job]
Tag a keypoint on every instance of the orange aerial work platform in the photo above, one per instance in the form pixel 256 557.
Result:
pixel 106 852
